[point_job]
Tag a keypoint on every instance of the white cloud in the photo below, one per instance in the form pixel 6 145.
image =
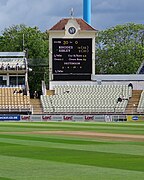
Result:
pixel 108 13
pixel 45 13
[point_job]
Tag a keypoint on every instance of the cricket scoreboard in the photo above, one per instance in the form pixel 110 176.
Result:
pixel 72 58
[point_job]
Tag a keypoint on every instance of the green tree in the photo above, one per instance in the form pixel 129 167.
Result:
pixel 19 38
pixel 120 50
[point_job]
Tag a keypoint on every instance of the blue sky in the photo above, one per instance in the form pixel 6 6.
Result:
pixel 45 13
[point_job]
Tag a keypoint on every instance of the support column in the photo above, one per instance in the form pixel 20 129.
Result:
pixel 87 11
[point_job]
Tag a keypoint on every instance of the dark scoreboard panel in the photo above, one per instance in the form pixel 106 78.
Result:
pixel 72 56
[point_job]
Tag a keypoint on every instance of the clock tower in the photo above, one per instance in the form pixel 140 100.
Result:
pixel 71 50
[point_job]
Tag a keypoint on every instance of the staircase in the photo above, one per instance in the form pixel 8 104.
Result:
pixel 37 108
pixel 133 102
pixel 50 92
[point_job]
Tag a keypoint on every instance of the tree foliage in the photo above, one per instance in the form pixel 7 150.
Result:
pixel 20 37
pixel 120 50
pixel 34 40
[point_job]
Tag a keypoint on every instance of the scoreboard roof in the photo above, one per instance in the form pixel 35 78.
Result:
pixel 12 54
pixel 83 25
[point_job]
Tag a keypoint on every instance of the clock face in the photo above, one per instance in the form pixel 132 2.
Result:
pixel 72 30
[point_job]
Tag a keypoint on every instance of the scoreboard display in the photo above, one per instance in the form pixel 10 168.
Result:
pixel 71 56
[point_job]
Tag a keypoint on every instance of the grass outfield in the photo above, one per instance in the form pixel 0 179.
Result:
pixel 28 152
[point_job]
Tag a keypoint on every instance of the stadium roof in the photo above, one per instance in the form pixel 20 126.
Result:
pixel 83 25
pixel 12 54
pixel 141 69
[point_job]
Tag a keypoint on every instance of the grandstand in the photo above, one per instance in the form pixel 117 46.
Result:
pixel 13 77
pixel 87 99
pixel 140 108
pixel 94 98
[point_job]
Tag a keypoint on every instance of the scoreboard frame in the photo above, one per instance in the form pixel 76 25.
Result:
pixel 71 58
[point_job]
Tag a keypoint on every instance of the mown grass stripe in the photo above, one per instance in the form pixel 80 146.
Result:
pixel 110 148
pixel 114 128
pixel 71 124
pixel 92 158
pixel 68 138
pixel 57 140
pixel 122 124
pixel 31 169
pixel 3 178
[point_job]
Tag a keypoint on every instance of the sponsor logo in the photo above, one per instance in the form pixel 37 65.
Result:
pixel 46 118
pixel 135 118
pixel 67 118
pixel 9 117
pixel 25 117
pixel 89 118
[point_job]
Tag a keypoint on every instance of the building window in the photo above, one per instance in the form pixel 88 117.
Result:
pixel 16 80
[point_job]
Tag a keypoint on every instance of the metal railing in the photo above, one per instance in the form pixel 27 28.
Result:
pixel 84 110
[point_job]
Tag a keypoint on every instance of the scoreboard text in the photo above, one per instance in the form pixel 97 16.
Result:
pixel 72 56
